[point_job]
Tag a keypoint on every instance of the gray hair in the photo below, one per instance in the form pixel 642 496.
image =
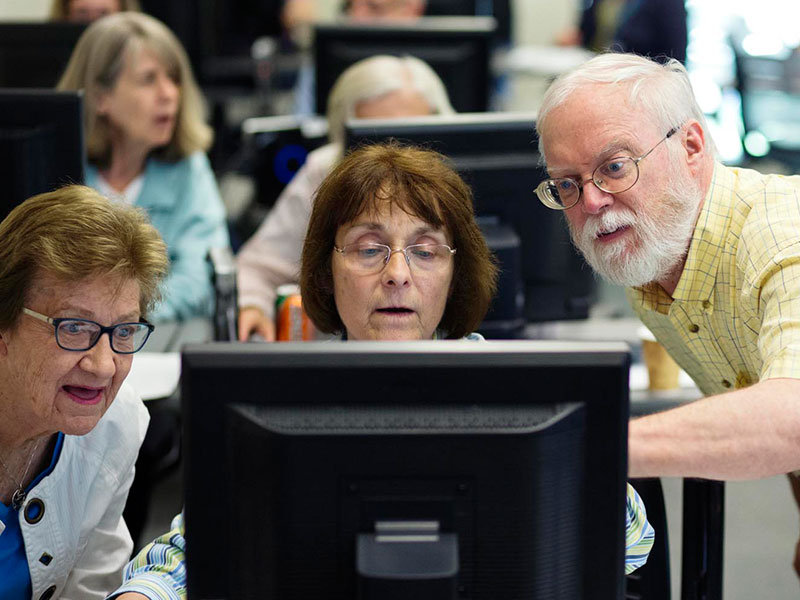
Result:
pixel 378 75
pixel 663 90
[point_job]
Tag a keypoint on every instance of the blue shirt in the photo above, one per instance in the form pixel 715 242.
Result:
pixel 184 205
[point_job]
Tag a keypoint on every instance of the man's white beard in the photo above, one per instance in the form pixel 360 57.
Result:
pixel 657 243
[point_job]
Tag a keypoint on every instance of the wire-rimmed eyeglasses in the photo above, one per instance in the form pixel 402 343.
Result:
pixel 371 258
pixel 82 334
pixel 613 176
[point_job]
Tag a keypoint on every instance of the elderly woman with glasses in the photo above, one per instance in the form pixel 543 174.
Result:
pixel 77 276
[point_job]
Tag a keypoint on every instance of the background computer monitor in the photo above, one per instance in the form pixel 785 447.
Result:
pixel 294 451
pixel 41 143
pixel 499 9
pixel 35 54
pixel 457 48
pixel 497 154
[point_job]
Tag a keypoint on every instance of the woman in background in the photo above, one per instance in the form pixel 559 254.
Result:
pixel 376 87
pixel 146 142
pixel 86 11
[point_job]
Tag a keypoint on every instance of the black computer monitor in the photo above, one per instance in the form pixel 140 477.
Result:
pixel 35 54
pixel 457 48
pixel 499 9
pixel 498 155
pixel 41 143
pixel 509 456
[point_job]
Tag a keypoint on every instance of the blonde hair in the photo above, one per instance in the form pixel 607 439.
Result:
pixel 378 75
pixel 59 9
pixel 73 233
pixel 95 66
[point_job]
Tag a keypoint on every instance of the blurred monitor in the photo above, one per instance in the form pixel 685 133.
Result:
pixel 276 148
pixel 498 155
pixel 457 48
pixel 41 143
pixel 35 54
pixel 499 9
pixel 374 470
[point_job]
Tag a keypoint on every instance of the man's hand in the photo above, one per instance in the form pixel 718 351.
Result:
pixel 252 321
pixel 131 596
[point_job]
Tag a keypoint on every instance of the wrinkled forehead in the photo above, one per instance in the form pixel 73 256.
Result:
pixel 390 201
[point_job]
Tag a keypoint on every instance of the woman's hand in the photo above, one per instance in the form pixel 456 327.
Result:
pixel 253 321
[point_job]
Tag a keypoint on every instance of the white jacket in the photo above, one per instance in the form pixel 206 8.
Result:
pixel 78 548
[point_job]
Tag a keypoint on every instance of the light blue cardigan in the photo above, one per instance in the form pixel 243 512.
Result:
pixel 184 205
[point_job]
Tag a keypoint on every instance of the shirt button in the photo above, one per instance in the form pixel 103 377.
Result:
pixel 694 328
pixel 48 593
pixel 726 383
pixel 706 304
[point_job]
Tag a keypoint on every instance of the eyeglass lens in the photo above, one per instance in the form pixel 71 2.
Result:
pixel 613 176
pixel 372 257
pixel 76 334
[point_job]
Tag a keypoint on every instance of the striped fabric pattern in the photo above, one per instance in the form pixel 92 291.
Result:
pixel 639 534
pixel 734 318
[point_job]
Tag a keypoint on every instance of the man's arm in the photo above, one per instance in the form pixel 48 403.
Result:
pixel 746 434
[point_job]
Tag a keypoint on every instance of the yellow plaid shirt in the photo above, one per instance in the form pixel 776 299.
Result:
pixel 734 318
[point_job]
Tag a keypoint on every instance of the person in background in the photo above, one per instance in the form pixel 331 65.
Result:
pixel 654 28
pixel 710 256
pixel 377 87
pixel 146 142
pixel 73 268
pixel 86 11
pixel 393 253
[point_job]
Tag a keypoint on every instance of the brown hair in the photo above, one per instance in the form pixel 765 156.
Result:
pixel 74 233
pixel 421 183
pixel 95 66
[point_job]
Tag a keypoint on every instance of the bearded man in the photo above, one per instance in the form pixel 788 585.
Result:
pixel 710 256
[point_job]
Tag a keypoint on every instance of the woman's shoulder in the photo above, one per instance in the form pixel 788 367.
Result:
pixel 474 337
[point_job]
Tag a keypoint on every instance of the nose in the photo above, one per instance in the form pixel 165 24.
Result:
pixel 99 359
pixel 396 272
pixel 593 199
pixel 167 88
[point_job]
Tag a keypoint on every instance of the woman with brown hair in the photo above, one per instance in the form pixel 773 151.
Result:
pixel 392 249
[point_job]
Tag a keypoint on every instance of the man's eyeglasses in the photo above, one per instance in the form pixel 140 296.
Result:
pixel 371 258
pixel 82 334
pixel 614 176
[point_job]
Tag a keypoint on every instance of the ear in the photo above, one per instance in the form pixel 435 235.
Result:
pixel 694 143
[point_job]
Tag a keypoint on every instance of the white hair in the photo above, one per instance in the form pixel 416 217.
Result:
pixel 378 75
pixel 662 90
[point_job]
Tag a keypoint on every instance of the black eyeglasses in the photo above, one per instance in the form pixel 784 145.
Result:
pixel 614 176
pixel 82 334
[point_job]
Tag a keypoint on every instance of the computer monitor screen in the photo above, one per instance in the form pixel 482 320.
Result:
pixel 41 143
pixel 307 463
pixel 35 54
pixel 457 48
pixel 498 155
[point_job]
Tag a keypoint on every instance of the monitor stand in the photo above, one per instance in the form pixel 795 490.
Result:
pixel 407 560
